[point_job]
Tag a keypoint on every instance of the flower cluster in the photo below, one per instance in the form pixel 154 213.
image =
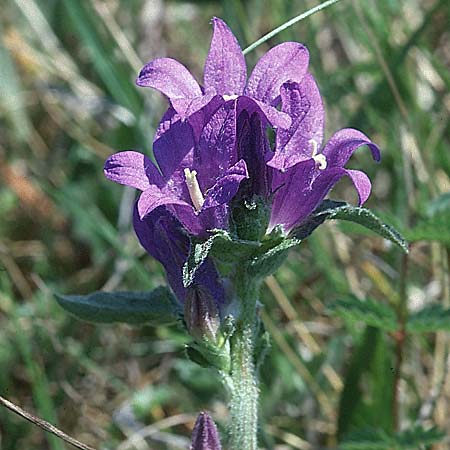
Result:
pixel 212 151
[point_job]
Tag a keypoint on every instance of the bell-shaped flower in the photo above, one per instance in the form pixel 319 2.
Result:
pixel 164 238
pixel 205 435
pixel 225 77
pixel 197 177
pixel 303 172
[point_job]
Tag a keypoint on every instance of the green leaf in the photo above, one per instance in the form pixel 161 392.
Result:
pixel 158 307
pixel 329 209
pixel 429 319
pixel 370 312
pixel 372 439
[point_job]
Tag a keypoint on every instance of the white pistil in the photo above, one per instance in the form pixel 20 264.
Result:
pixel 320 159
pixel 194 189
pixel 227 97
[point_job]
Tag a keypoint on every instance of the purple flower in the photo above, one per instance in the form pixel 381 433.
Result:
pixel 225 76
pixel 205 435
pixel 199 176
pixel 303 173
pixel 164 238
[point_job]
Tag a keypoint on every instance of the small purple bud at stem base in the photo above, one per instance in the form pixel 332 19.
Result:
pixel 205 435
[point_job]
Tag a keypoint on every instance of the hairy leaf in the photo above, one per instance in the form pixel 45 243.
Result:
pixel 157 307
pixel 329 209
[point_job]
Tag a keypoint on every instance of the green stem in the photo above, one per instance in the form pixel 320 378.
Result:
pixel 243 377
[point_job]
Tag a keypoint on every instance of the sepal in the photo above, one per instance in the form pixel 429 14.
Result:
pixel 251 218
pixel 210 355
pixel 220 245
pixel 272 256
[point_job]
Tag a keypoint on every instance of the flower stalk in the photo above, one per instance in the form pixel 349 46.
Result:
pixel 243 381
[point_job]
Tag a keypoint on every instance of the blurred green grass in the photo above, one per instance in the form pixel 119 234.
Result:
pixel 68 100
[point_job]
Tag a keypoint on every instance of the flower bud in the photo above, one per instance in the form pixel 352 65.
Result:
pixel 201 314
pixel 205 435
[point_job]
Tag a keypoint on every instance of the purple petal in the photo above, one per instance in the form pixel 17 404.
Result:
pixel 301 193
pixel 185 107
pixel 190 219
pixel 216 151
pixel 200 117
pixel 342 145
pixel 267 113
pixel 132 169
pixel 225 72
pixel 200 224
pixel 285 62
pixel 208 277
pixel 303 103
pixel 292 200
pixel 164 238
pixel 169 77
pixel 278 119
pixel 174 144
pixel 205 435
pixel 153 197
pixel 362 184
pixel 253 147
pixel 227 186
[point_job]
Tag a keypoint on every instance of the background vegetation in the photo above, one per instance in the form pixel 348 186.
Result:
pixel 338 363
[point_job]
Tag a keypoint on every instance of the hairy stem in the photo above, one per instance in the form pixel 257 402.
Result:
pixel 243 377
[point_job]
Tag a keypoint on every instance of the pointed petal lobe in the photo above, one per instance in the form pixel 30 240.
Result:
pixel 342 145
pixel 153 197
pixel 303 103
pixel 132 169
pixel 285 62
pixel 225 72
pixel 362 184
pixel 169 77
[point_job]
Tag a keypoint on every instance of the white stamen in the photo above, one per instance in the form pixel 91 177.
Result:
pixel 320 159
pixel 229 97
pixel 194 189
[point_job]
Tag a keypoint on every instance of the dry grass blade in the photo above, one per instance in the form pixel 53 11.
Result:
pixel 44 425
pixel 298 364
pixel 301 330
